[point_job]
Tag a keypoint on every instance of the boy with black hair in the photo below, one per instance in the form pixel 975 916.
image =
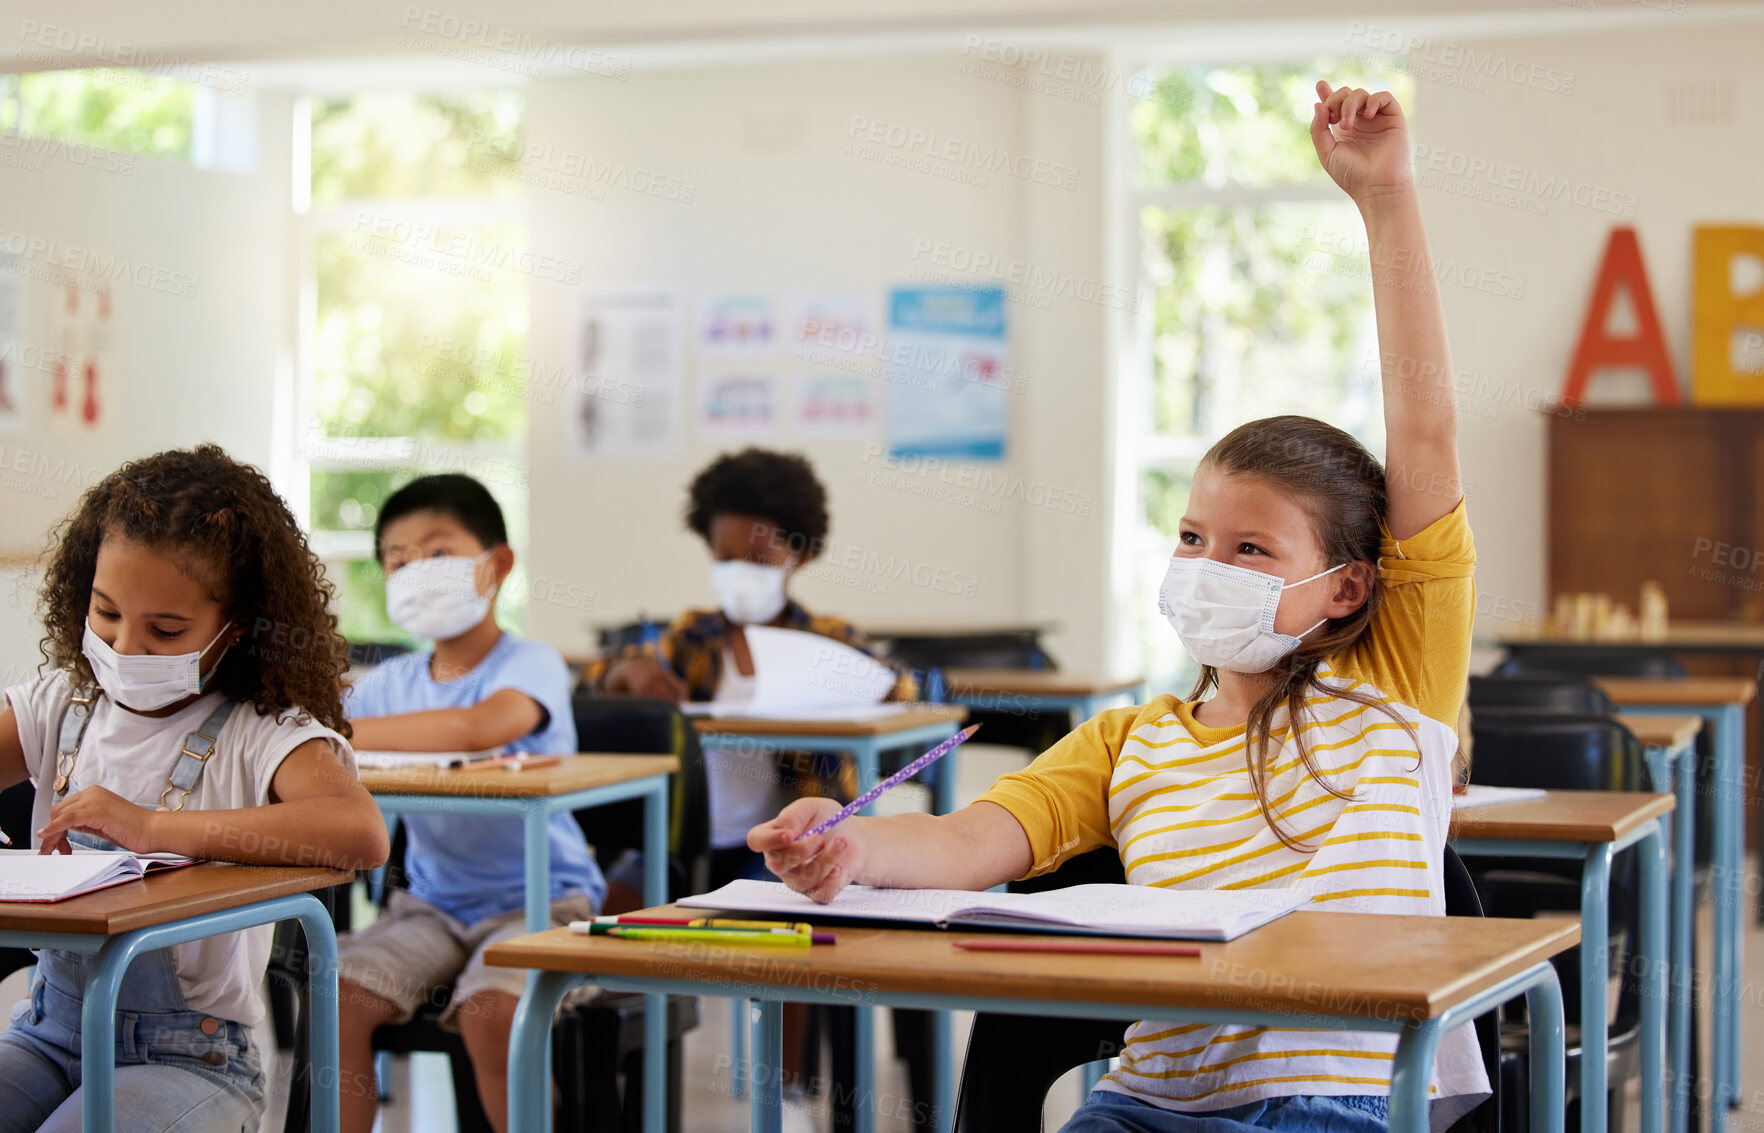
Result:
pixel 443 545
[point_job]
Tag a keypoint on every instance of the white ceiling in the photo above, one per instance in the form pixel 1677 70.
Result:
pixel 351 44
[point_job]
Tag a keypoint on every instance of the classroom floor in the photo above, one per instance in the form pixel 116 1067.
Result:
pixel 423 1092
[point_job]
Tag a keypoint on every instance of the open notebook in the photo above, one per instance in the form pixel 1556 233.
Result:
pixel 26 875
pixel 1476 795
pixel 1097 910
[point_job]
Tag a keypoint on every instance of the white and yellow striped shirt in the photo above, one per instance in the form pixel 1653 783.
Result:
pixel 1174 796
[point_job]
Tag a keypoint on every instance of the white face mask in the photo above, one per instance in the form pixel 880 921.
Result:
pixel 1224 614
pixel 436 599
pixel 750 593
pixel 148 681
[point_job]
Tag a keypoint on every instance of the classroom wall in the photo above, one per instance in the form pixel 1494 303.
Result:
pixel 1662 121
pixel 779 204
pixel 200 322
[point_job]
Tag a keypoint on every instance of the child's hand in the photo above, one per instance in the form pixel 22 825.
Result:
pixel 819 866
pixel 95 810
pixel 1367 152
pixel 645 676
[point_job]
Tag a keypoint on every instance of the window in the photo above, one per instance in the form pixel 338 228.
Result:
pixel 114 108
pixel 413 324
pixel 1255 297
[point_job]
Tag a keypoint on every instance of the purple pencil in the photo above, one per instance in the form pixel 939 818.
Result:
pixel 900 776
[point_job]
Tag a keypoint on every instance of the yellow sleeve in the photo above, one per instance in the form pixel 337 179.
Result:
pixel 1418 646
pixel 1062 799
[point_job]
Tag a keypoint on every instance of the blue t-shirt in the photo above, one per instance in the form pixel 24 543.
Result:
pixel 468 865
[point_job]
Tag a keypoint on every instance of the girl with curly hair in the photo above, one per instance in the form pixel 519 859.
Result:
pixel 184 615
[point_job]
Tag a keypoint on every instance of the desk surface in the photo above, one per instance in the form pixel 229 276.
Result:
pixel 1689 635
pixel 916 716
pixel 1661 731
pixel 575 773
pixel 947 630
pixel 1034 682
pixel 1657 692
pixel 1562 816
pixel 1342 963
pixel 210 887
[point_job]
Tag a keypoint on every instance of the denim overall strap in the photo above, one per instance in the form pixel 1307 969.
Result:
pixel 73 729
pixel 198 746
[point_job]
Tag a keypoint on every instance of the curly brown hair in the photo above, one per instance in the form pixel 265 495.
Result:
pixel 232 533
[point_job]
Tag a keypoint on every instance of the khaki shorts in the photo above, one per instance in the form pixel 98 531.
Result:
pixel 411 954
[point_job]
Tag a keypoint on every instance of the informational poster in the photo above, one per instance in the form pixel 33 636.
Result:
pixel 12 394
pixel 621 385
pixel 67 361
pixel 832 323
pixel 98 378
pixel 737 324
pixel 836 405
pixel 743 404
pixel 947 381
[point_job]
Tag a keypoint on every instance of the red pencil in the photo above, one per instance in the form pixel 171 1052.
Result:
pixel 1107 947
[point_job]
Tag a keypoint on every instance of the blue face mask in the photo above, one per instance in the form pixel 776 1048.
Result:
pixel 148 681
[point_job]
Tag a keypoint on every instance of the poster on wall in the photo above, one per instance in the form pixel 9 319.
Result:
pixel 737 324
pixel 946 371
pixel 830 326
pixel 12 395
pixel 67 345
pixel 835 405
pixel 621 383
pixel 737 405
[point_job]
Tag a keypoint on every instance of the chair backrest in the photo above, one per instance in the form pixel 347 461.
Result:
pixel 641 725
pixel 1560 751
pixel 367 654
pixel 1591 660
pixel 998 650
pixel 1554 692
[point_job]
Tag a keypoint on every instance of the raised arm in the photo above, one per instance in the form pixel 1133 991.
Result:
pixel 1362 140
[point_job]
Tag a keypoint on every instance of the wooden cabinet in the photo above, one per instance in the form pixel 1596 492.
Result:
pixel 1670 494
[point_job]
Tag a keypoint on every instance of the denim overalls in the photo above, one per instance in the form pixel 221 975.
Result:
pixel 176 1069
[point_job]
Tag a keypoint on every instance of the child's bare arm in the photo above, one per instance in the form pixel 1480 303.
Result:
pixel 975 848
pixel 500 718
pixel 318 814
pixel 1362 140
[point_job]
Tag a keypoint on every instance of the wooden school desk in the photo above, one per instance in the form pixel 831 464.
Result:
pixel 175 907
pixel 534 796
pixel 916 725
pixel 1592 826
pixel 1722 703
pixel 1026 690
pixel 1415 977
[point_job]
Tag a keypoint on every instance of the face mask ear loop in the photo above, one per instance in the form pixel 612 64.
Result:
pixel 1313 578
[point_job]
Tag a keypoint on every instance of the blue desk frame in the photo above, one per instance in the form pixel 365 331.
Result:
pixel 116 953
pixel 1727 722
pixel 1674 768
pixel 535 812
pixel 867 751
pixel 1595 897
pixel 1417 1039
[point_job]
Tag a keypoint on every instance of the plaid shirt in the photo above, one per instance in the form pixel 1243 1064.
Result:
pixel 693 647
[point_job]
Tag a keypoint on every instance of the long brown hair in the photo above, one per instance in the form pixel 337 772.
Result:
pixel 230 531
pixel 1341 486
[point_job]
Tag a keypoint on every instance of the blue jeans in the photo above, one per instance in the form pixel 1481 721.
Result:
pixel 1108 1111
pixel 176 1069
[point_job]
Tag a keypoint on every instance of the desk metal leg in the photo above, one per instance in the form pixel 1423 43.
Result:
pixel 1595 920
pixel 1684 825
pixel 767 1109
pixel 104 984
pixel 1409 1081
pixel 536 863
pixel 1652 968
pixel 1543 1012
pixel 655 1007
pixel 1729 837
pixel 529 1052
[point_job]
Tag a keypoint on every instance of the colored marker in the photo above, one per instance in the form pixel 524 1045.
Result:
pixel 900 776
pixel 703 922
pixel 1104 947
